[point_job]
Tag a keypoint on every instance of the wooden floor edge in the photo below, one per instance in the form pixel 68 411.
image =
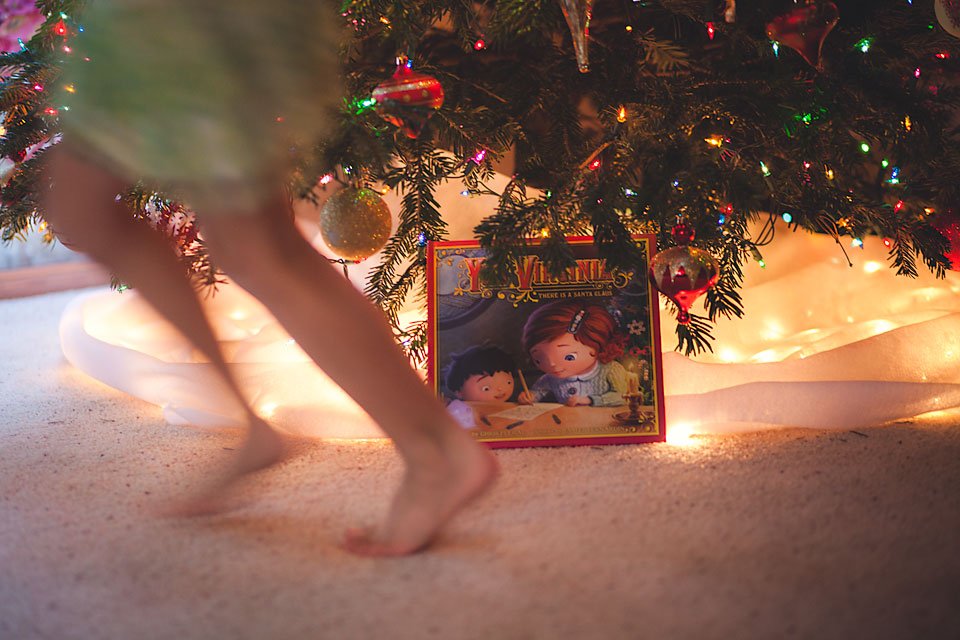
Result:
pixel 49 278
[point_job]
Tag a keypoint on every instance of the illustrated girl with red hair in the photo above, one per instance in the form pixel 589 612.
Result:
pixel 574 343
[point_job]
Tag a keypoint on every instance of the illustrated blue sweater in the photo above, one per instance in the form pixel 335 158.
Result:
pixel 604 384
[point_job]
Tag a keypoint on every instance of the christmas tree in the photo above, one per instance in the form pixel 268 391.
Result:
pixel 728 121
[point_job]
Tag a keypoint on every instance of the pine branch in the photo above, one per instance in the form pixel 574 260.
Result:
pixel 694 337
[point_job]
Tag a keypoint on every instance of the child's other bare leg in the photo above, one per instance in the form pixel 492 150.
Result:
pixel 350 339
pixel 82 210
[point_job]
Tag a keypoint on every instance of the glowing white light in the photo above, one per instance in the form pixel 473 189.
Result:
pixel 871 267
pixel 726 354
pixel 681 435
pixel 774 331
pixel 769 355
pixel 267 410
pixel 882 326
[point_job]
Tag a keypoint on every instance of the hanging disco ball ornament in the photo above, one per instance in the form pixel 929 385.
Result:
pixel 408 99
pixel 355 223
pixel 805 28
pixel 683 273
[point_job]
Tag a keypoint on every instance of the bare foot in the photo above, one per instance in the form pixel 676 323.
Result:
pixel 262 448
pixel 429 495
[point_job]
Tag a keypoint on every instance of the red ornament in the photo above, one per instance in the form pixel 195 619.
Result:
pixel 948 223
pixel 683 274
pixel 408 99
pixel 805 28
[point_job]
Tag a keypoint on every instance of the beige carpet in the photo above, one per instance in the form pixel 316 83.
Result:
pixel 777 534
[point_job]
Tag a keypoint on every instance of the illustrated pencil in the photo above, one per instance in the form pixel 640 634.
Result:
pixel 485 421
pixel 515 424
pixel 523 381
pixel 555 418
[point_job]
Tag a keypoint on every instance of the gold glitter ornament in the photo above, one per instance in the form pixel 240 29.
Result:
pixel 355 223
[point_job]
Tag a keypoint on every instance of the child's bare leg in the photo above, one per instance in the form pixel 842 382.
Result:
pixel 82 210
pixel 350 339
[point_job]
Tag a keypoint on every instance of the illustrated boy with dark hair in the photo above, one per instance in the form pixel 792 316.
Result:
pixel 481 373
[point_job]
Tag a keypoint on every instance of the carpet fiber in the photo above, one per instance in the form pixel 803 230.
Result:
pixel 778 534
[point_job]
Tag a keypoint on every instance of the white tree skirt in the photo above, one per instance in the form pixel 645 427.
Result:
pixel 822 344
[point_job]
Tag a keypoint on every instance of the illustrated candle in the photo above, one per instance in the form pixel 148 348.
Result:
pixel 633 382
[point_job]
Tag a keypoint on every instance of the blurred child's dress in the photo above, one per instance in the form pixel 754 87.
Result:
pixel 203 98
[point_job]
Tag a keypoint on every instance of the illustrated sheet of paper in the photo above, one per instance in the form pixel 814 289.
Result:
pixel 526 411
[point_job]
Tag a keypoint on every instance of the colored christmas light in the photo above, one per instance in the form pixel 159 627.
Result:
pixel 787 218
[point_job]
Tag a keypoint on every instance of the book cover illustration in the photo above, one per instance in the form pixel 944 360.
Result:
pixel 544 360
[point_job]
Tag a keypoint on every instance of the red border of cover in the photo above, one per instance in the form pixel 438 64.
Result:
pixel 552 442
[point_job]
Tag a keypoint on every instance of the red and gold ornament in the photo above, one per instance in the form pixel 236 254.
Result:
pixel 948 223
pixel 408 99
pixel 805 28
pixel 683 273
